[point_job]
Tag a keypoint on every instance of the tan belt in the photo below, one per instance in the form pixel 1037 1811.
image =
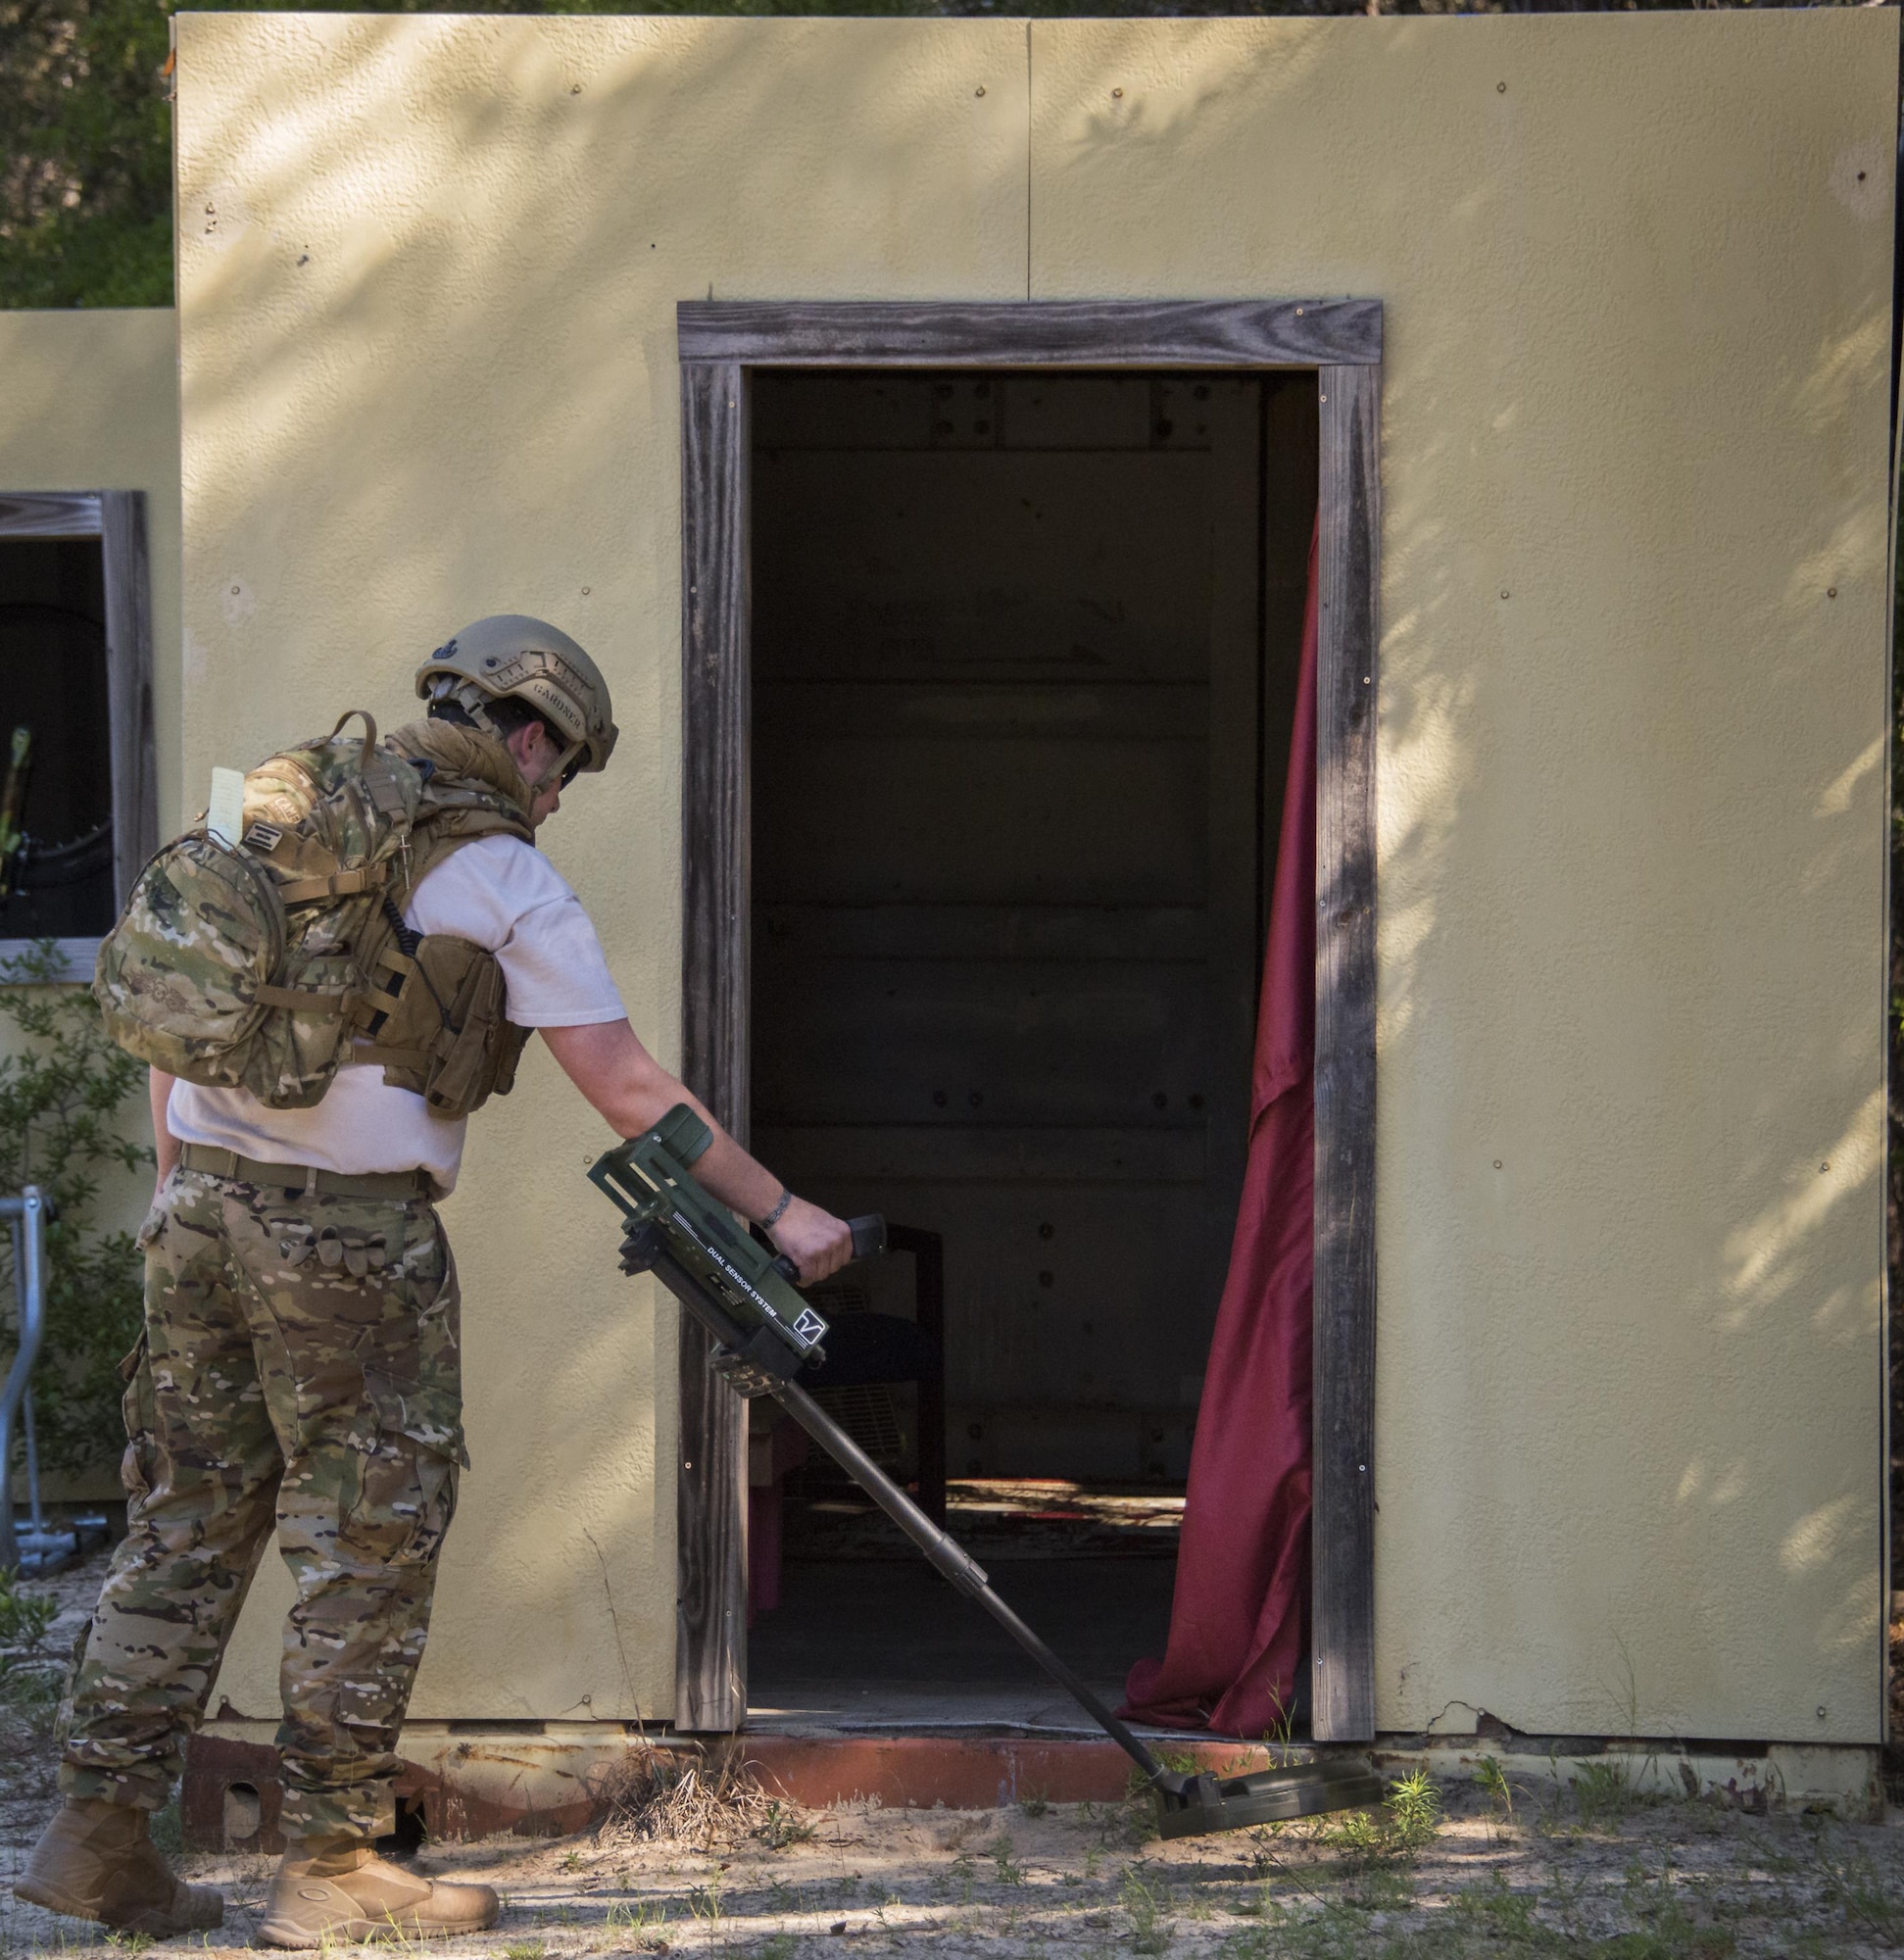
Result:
pixel 398 1185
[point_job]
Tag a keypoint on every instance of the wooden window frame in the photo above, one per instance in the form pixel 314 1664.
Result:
pixel 117 518
pixel 719 343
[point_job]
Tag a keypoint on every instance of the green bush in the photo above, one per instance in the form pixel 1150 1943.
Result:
pixel 23 1620
pixel 62 1103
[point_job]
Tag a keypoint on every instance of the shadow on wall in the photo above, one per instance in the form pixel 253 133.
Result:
pixel 1631 697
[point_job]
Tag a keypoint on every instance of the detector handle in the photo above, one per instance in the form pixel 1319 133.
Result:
pixel 869 1242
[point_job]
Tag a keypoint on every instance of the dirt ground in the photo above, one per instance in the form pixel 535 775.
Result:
pixel 1566 1864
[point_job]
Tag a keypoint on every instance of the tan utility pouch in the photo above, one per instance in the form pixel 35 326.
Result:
pixel 447 1035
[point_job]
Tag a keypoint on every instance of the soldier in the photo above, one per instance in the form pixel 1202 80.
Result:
pixel 300 1364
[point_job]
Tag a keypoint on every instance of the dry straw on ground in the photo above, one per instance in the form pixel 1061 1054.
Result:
pixel 672 1797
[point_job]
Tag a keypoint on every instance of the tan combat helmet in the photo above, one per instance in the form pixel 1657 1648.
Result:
pixel 511 654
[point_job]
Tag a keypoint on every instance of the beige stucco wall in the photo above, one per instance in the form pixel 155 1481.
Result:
pixel 430 267
pixel 1637 273
pixel 1630 783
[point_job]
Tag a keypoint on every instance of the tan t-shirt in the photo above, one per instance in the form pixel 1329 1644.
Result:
pixel 498 893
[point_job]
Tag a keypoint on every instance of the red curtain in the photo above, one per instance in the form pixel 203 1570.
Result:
pixel 1239 1613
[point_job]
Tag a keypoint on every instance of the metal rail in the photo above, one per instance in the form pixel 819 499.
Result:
pixel 28 1213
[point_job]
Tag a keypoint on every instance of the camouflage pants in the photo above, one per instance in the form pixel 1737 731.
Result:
pixel 299 1368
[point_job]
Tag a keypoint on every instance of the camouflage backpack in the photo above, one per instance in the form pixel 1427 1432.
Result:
pixel 266 965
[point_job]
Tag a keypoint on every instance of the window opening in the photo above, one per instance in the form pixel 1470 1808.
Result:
pixel 56 764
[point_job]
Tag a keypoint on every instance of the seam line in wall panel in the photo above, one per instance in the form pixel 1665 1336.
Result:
pixel 1028 160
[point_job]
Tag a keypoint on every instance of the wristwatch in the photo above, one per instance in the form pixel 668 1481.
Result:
pixel 773 1218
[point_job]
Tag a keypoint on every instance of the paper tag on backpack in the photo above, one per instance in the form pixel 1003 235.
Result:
pixel 225 818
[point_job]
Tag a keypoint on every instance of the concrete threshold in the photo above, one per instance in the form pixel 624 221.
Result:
pixel 967 1746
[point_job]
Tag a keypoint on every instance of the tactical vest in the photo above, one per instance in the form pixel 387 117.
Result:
pixel 267 966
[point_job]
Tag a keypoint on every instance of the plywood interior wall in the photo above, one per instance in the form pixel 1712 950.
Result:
pixel 1021 720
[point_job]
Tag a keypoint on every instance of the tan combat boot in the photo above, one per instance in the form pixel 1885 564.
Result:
pixel 339 1889
pixel 98 1861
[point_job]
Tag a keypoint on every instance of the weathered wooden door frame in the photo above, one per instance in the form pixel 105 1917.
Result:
pixel 1342 341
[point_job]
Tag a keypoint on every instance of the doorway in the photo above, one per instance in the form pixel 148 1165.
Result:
pixel 988 668
pixel 1024 661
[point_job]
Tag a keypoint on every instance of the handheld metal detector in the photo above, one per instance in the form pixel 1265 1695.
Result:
pixel 745 1298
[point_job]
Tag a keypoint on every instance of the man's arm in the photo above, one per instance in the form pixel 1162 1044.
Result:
pixel 608 1063
pixel 163 1139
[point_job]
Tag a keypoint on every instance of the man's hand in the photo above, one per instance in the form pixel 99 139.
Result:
pixel 816 1242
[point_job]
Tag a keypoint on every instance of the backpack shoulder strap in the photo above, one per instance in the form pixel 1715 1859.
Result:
pixel 471 789
pixel 433 839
